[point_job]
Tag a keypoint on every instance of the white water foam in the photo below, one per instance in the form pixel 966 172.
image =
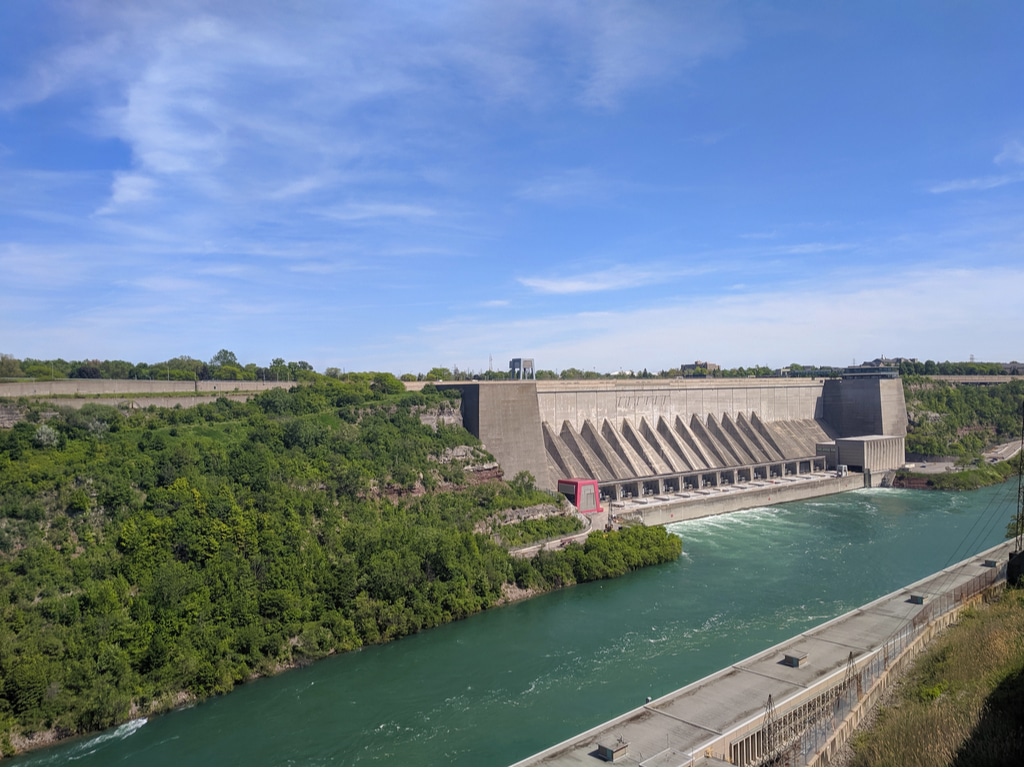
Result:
pixel 122 732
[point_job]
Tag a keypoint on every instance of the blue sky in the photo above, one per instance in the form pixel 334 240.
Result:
pixel 600 185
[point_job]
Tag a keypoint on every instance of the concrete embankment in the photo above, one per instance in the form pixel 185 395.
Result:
pixel 134 393
pixel 167 401
pixel 131 387
pixel 662 510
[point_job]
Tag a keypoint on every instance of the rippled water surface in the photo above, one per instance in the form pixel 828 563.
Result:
pixel 502 685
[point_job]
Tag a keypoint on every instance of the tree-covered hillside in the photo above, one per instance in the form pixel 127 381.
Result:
pixel 164 555
pixel 964 420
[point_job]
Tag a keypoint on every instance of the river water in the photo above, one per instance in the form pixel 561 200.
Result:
pixel 500 686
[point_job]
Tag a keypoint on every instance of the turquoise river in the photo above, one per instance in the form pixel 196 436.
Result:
pixel 507 683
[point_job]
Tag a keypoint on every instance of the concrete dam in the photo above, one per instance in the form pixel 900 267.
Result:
pixel 651 437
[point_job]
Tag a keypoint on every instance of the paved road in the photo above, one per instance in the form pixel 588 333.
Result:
pixel 1003 452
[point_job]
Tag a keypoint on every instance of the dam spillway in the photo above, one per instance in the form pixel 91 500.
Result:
pixel 674 446
pixel 654 436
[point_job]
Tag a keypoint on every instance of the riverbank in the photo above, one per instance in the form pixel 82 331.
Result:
pixel 964 480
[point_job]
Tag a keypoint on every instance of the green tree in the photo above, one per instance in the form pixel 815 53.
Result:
pixel 90 370
pixel 278 370
pixel 439 374
pixel 9 366
pixel 224 357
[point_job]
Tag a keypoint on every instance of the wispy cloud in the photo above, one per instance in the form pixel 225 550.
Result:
pixel 1011 154
pixel 765 263
pixel 169 284
pixel 128 189
pixel 650 336
pixel 320 267
pixel 632 45
pixel 325 162
pixel 980 183
pixel 621 276
pixel 363 212
pixel 300 187
pixel 800 249
pixel 34 268
pixel 565 186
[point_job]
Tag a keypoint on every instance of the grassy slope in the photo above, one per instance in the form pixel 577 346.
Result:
pixel 962 703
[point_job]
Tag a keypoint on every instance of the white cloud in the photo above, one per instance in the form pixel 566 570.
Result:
pixel 802 323
pixel 361 212
pixel 291 155
pixel 800 249
pixel 128 189
pixel 300 187
pixel 622 276
pixel 980 183
pixel 1012 153
pixel 168 284
pixel 83 62
pixel 630 44
pixel 319 268
pixel 570 185
pixel 34 268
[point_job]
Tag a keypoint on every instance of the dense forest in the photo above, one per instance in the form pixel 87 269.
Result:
pixel 961 420
pixel 158 556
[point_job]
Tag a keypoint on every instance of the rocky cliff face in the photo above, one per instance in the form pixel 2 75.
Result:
pixel 446 414
pixel 10 415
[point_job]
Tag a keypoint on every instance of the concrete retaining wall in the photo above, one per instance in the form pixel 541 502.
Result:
pixel 168 401
pixel 98 387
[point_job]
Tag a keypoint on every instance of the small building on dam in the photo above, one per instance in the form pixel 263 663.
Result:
pixel 651 437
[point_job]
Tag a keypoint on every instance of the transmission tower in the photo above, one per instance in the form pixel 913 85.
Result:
pixel 1015 567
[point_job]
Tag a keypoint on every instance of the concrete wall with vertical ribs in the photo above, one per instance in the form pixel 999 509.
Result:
pixel 617 401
